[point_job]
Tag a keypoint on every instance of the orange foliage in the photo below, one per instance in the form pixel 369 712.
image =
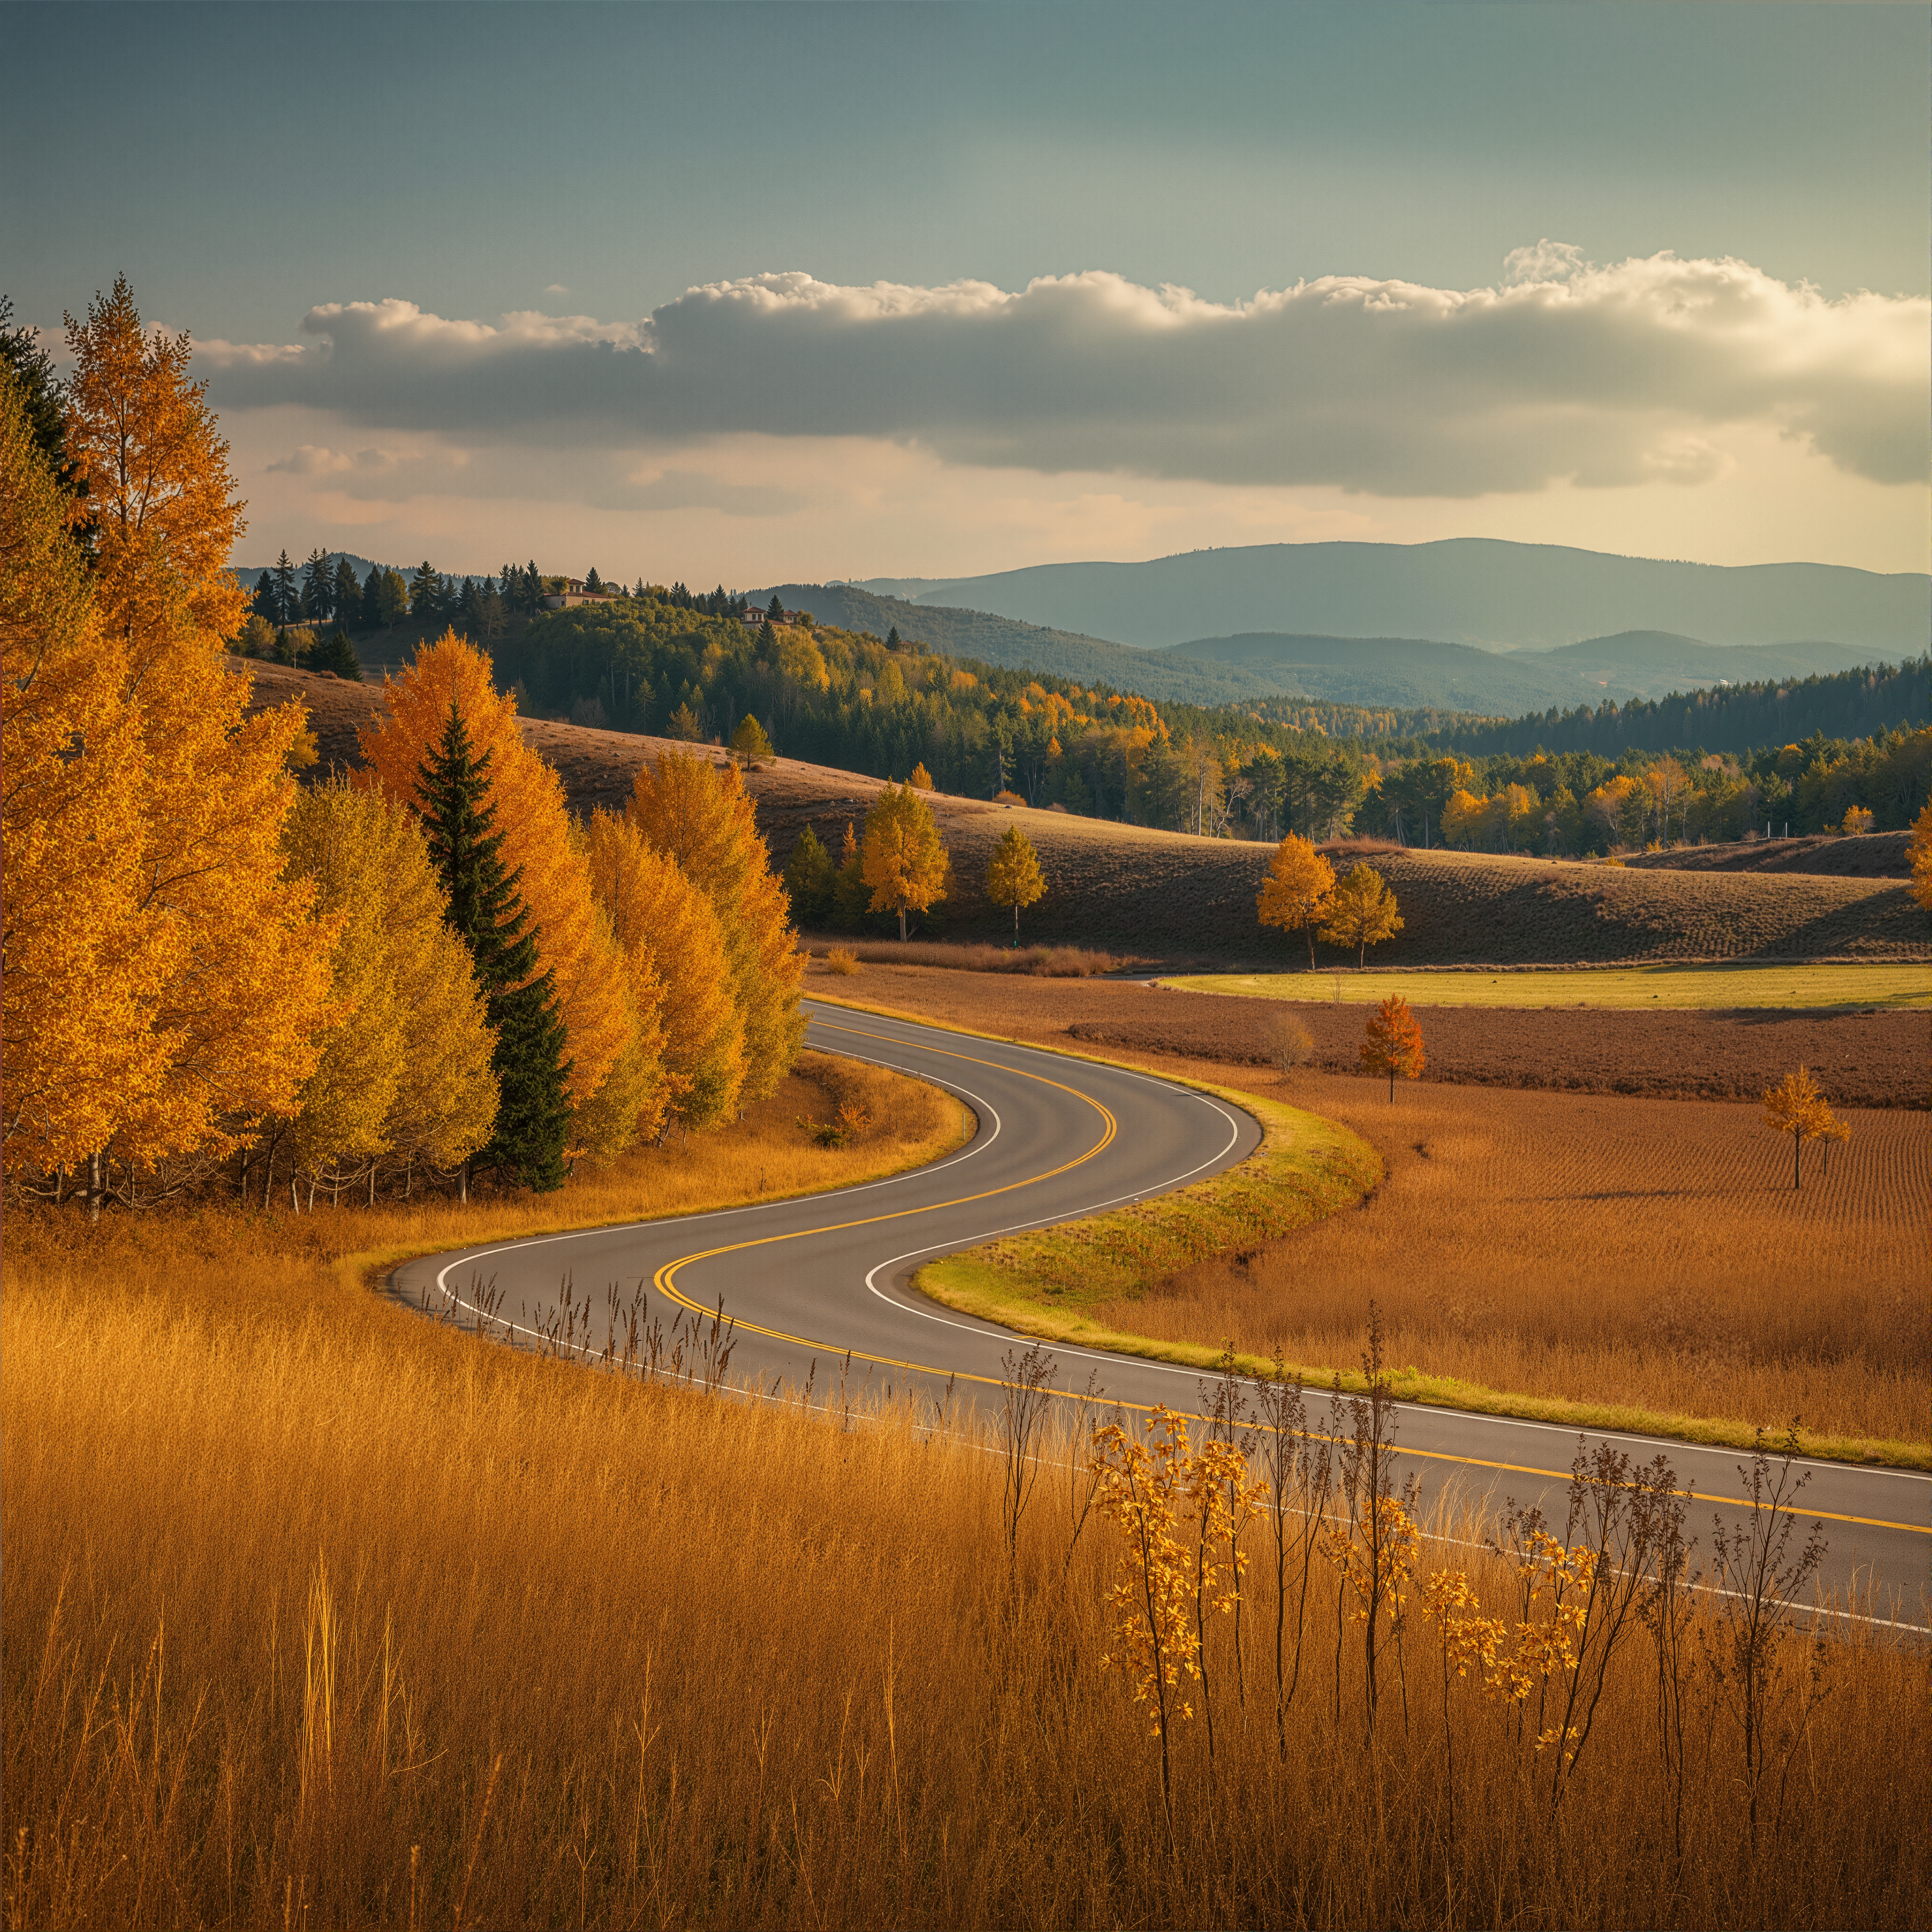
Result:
pixel 698 814
pixel 1394 1044
pixel 573 940
pixel 242 971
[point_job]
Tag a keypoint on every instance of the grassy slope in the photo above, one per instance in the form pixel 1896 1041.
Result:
pixel 1687 988
pixel 1163 894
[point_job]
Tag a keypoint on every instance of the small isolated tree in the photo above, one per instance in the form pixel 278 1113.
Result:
pixel 338 654
pixel 1858 821
pixel 1013 876
pixel 1361 912
pixel 901 857
pixel 921 779
pixel 1290 1043
pixel 683 725
pixel 1795 1107
pixel 1394 1043
pixel 808 877
pixel 1295 893
pixel 749 742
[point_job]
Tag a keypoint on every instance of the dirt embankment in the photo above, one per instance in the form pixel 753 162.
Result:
pixel 1876 855
pixel 1129 890
pixel 1860 1060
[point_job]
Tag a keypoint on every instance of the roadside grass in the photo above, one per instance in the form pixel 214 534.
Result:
pixel 1877 986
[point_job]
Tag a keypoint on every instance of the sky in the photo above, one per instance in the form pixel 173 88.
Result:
pixel 752 294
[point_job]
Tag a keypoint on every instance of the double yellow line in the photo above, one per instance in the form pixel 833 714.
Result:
pixel 665 1280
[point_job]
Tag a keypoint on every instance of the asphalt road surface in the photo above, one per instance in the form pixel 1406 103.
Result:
pixel 806 1281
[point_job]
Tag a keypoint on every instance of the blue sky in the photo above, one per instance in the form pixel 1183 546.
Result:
pixel 249 167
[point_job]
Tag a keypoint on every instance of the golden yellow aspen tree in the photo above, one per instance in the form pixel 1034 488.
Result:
pixel 1294 895
pixel 901 857
pixel 1795 1107
pixel 553 876
pixel 921 779
pixel 81 969
pixel 248 980
pixel 673 947
pixel 1013 876
pixel 1361 912
pixel 404 1069
pixel 1920 849
pixel 698 815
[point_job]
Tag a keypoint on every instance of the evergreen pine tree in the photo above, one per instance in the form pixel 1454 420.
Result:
pixel 318 590
pixel 488 913
pixel 286 597
pixel 348 605
pixel 372 599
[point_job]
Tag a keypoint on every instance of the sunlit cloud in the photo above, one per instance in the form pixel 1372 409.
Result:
pixel 1567 373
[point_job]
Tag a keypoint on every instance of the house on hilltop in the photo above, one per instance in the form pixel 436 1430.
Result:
pixel 574 593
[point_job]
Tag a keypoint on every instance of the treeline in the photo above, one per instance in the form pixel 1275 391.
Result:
pixel 430 971
pixel 1733 718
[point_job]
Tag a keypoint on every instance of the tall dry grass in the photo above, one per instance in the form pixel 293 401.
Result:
pixel 1039 962
pixel 317 1613
pixel 1649 1254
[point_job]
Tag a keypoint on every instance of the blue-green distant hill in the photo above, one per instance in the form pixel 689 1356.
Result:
pixel 1475 591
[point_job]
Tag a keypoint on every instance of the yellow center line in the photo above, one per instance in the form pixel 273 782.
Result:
pixel 664 1281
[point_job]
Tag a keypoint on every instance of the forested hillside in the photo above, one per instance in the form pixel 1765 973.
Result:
pixel 1730 718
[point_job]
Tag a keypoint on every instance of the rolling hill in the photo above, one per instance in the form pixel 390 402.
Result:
pixel 1171 896
pixel 1478 591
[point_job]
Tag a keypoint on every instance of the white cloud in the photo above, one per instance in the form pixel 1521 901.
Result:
pixel 1570 373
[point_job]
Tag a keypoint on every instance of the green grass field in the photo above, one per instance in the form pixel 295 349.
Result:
pixel 1634 986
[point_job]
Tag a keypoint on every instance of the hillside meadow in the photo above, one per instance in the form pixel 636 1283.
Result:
pixel 1131 890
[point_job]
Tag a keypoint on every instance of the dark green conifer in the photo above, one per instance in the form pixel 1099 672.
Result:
pixel 486 909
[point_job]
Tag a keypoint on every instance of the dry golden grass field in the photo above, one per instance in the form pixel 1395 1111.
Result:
pixel 1619 1251
pixel 320 1613
pixel 1127 888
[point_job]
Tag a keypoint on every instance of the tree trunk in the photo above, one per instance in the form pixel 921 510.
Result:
pixel 1797 1157
pixel 1308 933
pixel 94 1186
pixel 902 931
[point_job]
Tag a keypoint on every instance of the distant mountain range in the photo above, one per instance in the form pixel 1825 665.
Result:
pixel 1494 595
pixel 1410 672
pixel 1175 676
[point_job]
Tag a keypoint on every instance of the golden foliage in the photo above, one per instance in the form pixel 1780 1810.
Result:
pixel 698 815
pixel 1294 895
pixel 1013 876
pixel 1361 912
pixel 404 1066
pixel 239 973
pixel 77 980
pixel 1795 1107
pixel 1920 849
pixel 901 858
pixel 679 976
pixel 573 942
pixel 145 444
pixel 922 781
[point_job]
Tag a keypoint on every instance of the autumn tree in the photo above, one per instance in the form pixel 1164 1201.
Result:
pixel 1013 876
pixel 246 972
pixel 82 967
pixel 699 815
pixel 1361 912
pixel 1294 895
pixel 749 744
pixel 1795 1107
pixel 921 779
pixel 673 946
pixel 904 863
pixel 808 877
pixel 573 939
pixel 1394 1043
pixel 1920 849
pixel 487 912
pixel 405 1065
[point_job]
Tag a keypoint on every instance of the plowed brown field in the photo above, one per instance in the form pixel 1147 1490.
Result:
pixel 1601 1248
pixel 1127 889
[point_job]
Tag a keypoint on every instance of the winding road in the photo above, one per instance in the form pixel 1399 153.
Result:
pixel 807 1280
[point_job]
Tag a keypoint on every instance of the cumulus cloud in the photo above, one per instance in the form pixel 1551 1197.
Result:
pixel 1567 372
